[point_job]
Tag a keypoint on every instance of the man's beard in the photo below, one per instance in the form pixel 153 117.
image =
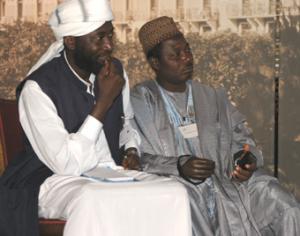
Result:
pixel 86 63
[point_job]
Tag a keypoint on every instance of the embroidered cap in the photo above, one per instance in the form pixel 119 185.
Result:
pixel 155 31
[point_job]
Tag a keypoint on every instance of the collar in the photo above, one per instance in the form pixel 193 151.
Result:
pixel 89 85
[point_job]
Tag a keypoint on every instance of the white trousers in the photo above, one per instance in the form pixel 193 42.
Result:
pixel 153 206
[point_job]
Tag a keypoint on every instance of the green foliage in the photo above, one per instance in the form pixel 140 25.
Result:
pixel 289 138
pixel 290 46
pixel 226 59
pixel 221 59
pixel 21 45
pixel 134 61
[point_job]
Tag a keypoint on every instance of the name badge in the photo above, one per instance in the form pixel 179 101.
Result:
pixel 189 131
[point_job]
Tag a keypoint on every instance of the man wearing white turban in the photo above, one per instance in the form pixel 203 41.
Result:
pixel 74 109
pixel 74 18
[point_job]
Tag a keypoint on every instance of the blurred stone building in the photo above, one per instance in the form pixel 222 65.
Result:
pixel 26 10
pixel 198 16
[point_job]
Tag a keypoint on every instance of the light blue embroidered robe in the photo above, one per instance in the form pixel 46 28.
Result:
pixel 259 206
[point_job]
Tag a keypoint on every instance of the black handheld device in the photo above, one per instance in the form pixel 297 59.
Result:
pixel 242 158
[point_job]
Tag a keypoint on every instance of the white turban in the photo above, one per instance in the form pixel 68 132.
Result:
pixel 74 18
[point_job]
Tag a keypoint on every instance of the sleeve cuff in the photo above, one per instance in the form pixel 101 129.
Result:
pixel 91 128
pixel 133 143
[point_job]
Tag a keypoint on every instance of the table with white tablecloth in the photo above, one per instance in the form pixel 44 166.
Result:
pixel 151 206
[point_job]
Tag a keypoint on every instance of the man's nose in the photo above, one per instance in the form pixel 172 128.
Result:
pixel 107 44
pixel 187 56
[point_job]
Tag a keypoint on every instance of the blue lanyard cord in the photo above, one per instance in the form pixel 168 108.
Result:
pixel 190 107
pixel 176 119
pixel 174 116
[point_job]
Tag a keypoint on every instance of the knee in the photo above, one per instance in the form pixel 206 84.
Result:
pixel 292 214
pixel 88 195
pixel 279 194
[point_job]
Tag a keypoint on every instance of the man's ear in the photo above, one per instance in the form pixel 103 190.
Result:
pixel 69 42
pixel 154 63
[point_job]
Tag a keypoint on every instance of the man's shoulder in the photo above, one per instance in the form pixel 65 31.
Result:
pixel 143 87
pixel 48 70
pixel 208 89
pixel 144 93
pixel 47 74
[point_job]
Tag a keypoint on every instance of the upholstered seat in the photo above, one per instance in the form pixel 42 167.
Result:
pixel 11 137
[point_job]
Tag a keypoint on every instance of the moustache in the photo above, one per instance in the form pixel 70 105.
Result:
pixel 188 69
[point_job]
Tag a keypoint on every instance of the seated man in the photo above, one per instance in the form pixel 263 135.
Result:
pixel 192 132
pixel 74 108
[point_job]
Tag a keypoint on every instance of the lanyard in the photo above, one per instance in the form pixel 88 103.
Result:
pixel 177 120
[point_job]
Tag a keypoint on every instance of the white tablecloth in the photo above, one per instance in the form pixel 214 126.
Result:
pixel 152 206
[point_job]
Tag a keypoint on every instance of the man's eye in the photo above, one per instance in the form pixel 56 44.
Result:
pixel 176 53
pixel 187 49
pixel 100 37
pixel 174 56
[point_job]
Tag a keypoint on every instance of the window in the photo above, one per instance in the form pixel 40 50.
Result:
pixel 39 8
pixel 270 27
pixel 127 5
pixel 153 4
pixel 20 9
pixel 206 29
pixel 206 4
pixel 246 8
pixel 245 27
pixel 179 4
pixel 272 7
pixel 2 8
pixel 207 8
